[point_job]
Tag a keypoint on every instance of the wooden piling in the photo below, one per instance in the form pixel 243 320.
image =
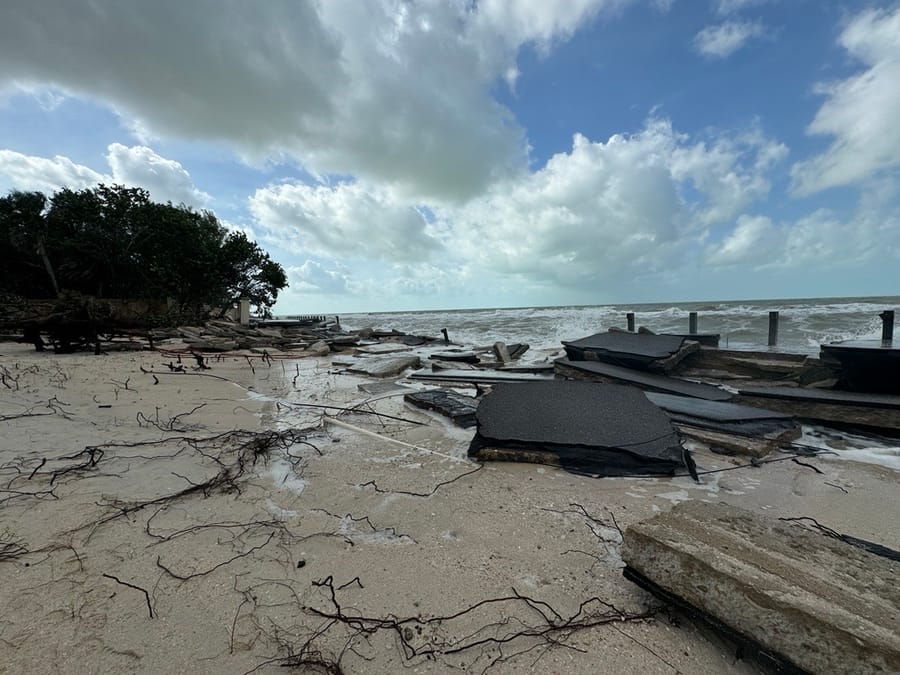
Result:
pixel 692 323
pixel 629 317
pixel 773 329
pixel 887 325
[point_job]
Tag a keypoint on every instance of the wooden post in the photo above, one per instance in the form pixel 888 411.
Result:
pixel 692 323
pixel 630 319
pixel 773 329
pixel 887 325
pixel 244 312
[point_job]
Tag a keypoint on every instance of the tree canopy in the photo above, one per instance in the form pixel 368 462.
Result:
pixel 114 242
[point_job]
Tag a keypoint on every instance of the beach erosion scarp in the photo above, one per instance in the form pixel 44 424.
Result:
pixel 216 521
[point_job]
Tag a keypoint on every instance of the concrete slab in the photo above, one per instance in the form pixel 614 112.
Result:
pixel 479 376
pixel 880 412
pixel 378 388
pixel 383 348
pixel 606 372
pixel 385 366
pixel 821 604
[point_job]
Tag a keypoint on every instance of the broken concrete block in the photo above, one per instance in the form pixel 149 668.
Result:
pixel 459 355
pixel 384 367
pixel 458 407
pixel 378 388
pixel 818 603
pixel 382 348
pixel 320 348
pixel 501 352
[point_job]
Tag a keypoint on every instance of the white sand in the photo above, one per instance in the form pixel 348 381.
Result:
pixel 330 507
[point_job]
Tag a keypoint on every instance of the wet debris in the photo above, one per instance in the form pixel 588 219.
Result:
pixel 596 371
pixel 458 407
pixel 384 366
pixel 642 351
pixel 587 428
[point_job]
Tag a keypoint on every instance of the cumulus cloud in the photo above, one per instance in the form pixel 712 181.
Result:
pixel 138 166
pixel 165 179
pixel 861 112
pixel 820 241
pixel 394 92
pixel 632 205
pixel 44 174
pixel 345 219
pixel 520 21
pixel 726 38
pixel 313 277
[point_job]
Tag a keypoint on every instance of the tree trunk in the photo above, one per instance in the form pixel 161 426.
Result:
pixel 42 251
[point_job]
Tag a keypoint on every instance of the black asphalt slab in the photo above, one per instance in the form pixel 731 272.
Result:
pixel 634 349
pixel 713 410
pixel 729 418
pixel 601 429
pixel 458 407
pixel 651 381
pixel 835 396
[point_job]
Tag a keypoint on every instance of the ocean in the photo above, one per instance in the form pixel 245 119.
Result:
pixel 803 323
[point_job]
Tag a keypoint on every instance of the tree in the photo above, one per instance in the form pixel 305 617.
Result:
pixel 114 242
pixel 24 232
pixel 251 273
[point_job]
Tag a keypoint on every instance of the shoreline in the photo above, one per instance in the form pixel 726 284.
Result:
pixel 239 573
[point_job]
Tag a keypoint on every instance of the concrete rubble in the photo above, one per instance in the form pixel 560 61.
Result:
pixel 806 600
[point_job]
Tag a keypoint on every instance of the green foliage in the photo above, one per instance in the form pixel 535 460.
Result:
pixel 114 242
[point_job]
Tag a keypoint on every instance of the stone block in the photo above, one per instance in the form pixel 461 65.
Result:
pixel 820 603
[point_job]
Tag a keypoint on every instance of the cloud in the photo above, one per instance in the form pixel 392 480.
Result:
pixel 347 219
pixel 726 38
pixel 313 277
pixel 393 92
pixel 518 22
pixel 165 179
pixel 820 242
pixel 860 113
pixel 137 166
pixel 753 240
pixel 605 213
pixel 43 174
pixel 726 7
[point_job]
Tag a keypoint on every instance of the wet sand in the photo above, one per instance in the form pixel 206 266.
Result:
pixel 258 534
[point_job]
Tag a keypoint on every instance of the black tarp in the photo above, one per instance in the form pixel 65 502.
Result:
pixel 595 429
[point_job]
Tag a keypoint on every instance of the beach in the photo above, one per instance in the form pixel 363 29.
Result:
pixel 257 514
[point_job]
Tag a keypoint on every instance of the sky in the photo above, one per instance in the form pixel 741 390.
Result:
pixel 438 154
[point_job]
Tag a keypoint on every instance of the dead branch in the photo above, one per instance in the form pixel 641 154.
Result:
pixel 172 424
pixel 137 588
pixel 374 485
pixel 194 575
pixel 11 546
